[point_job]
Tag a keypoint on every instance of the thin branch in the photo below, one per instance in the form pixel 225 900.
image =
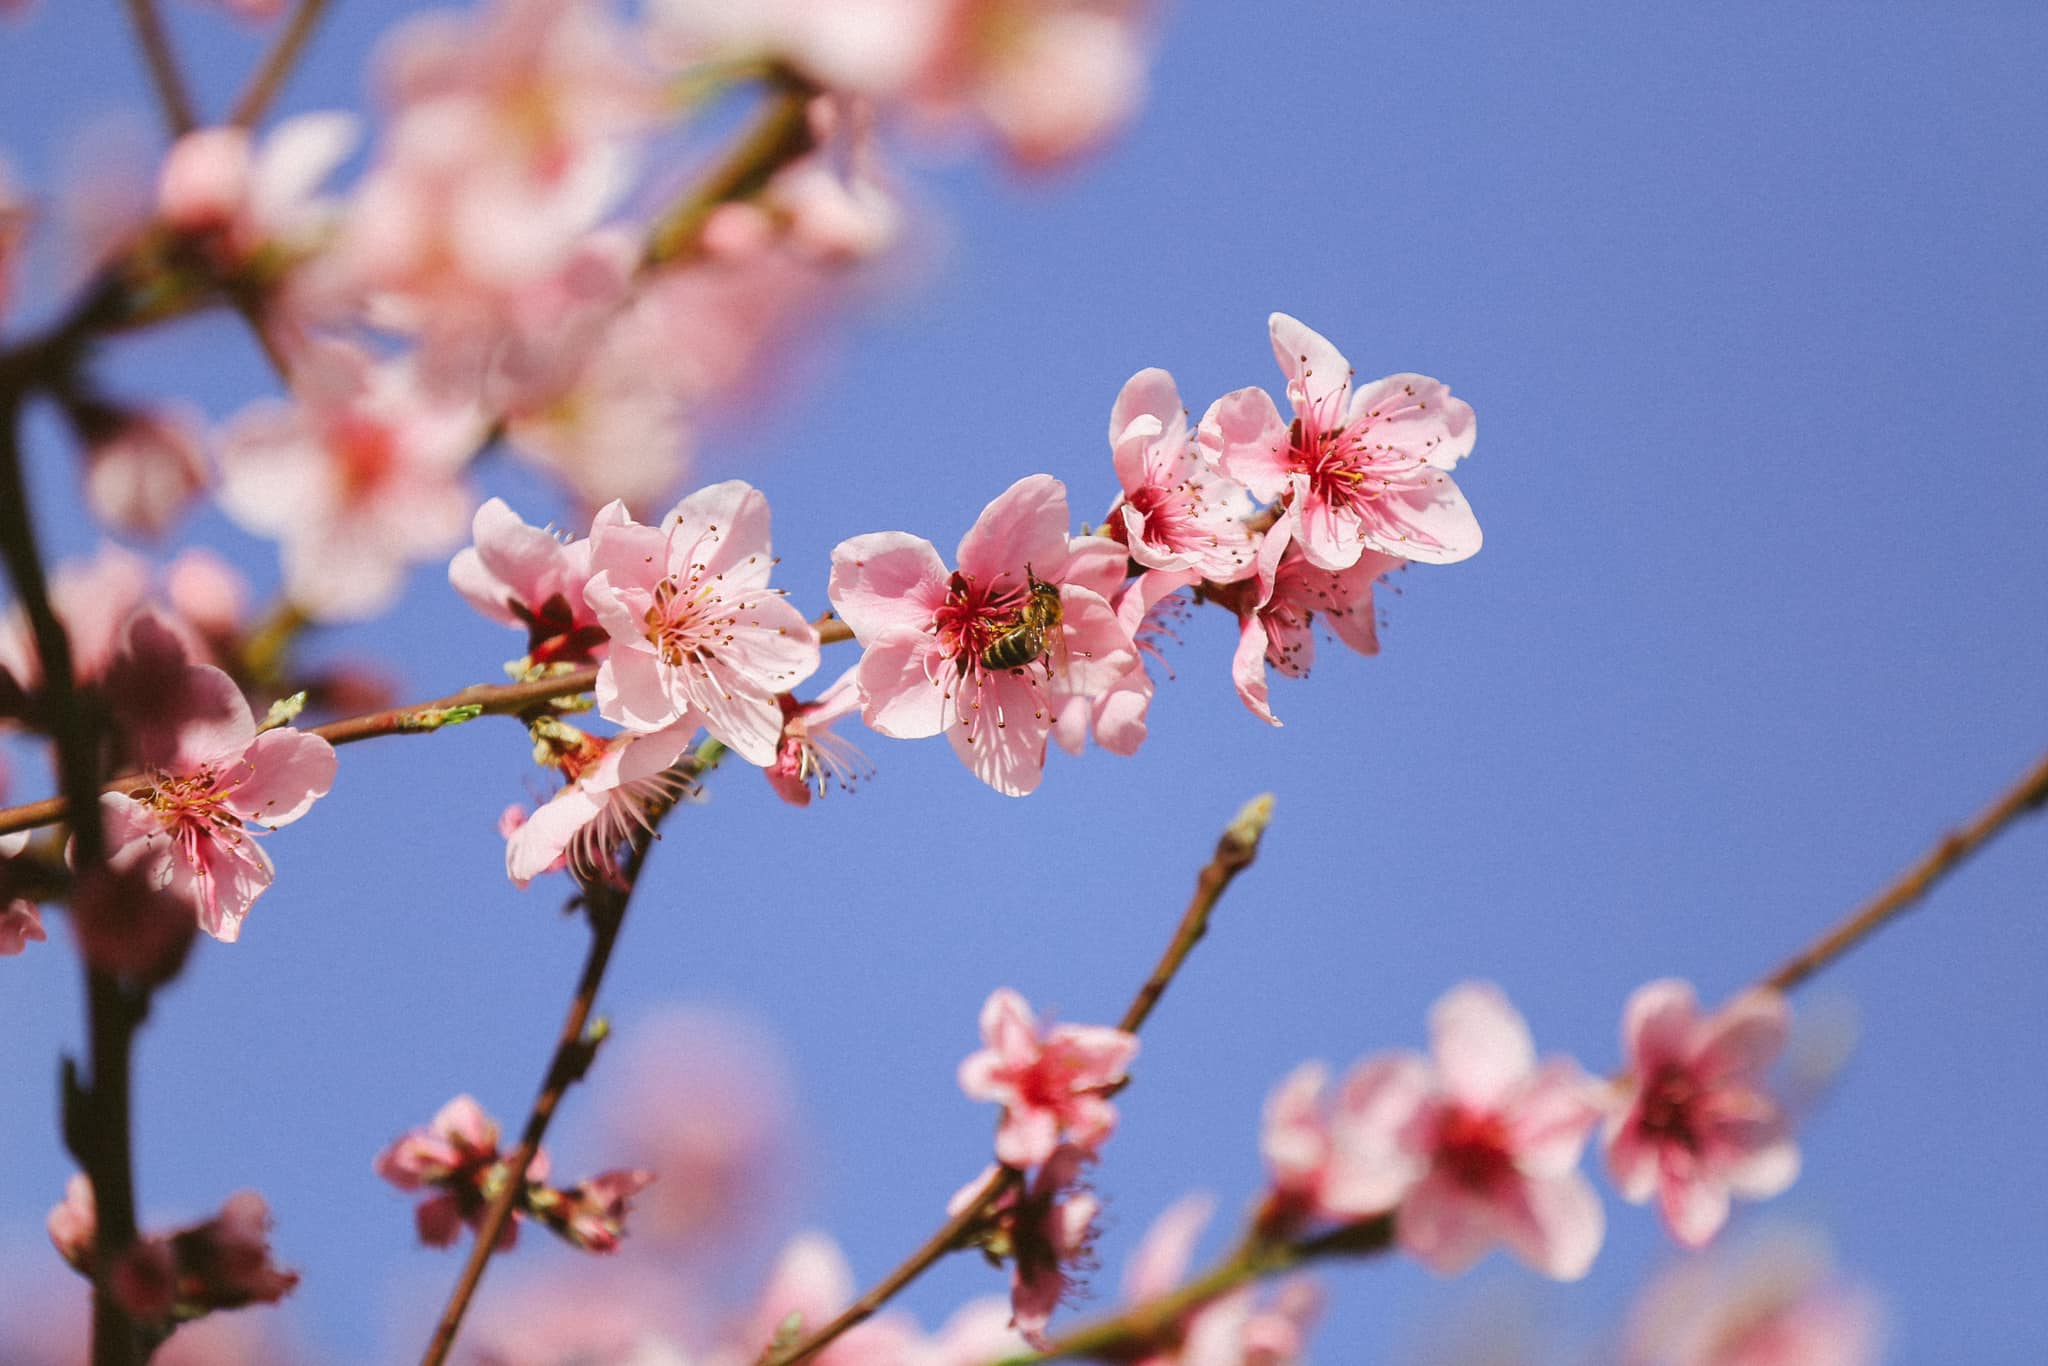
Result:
pixel 780 136
pixel 604 905
pixel 2028 794
pixel 98 1131
pixel 1234 853
pixel 163 67
pixel 278 64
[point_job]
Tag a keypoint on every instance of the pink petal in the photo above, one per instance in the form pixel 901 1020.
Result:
pixel 903 699
pixel 729 524
pixel 1168 1247
pixel 1244 434
pixel 1767 1171
pixel 1482 1047
pixel 1745 1036
pixel 1371 1164
pixel 233 873
pixel 1657 1023
pixel 1431 525
pixel 1632 1160
pixel 1445 1226
pixel 1248 668
pixel 539 844
pixel 886 581
pixel 1313 367
pixel 288 771
pixel 632 692
pixel 1551 1120
pixel 1555 1226
pixel 1009 1027
pixel 1417 414
pixel 1149 393
pixel 1002 740
pixel 1694 1211
pixel 1025 526
pixel 1027 1137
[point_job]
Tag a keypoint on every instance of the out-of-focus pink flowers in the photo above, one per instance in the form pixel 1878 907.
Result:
pixel 809 1285
pixel 1051 1083
pixel 359 476
pixel 590 1214
pixel 520 575
pixel 218 184
pixel 20 919
pixel 1276 617
pixel 1178 512
pixel 1356 470
pixel 1776 1303
pixel 147 469
pixel 1694 1122
pixel 615 788
pixel 221 1263
pixel 14 221
pixel 1241 1328
pixel 1047 1234
pixel 94 601
pixel 928 634
pixel 811 757
pixel 1476 1147
pixel 696 632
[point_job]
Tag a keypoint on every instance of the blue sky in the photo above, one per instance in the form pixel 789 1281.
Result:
pixel 1751 305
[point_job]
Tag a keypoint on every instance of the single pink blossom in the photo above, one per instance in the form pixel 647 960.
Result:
pixel 1177 512
pixel 1045 1231
pixel 615 787
pixel 360 475
pixel 1049 1082
pixel 696 632
pixel 217 183
pixel 929 634
pixel 520 575
pixel 212 782
pixel 20 922
pixel 455 1156
pixel 1776 1303
pixel 1477 1147
pixel 811 756
pixel 1694 1122
pixel 147 469
pixel 1276 619
pixel 225 1262
pixel 1356 470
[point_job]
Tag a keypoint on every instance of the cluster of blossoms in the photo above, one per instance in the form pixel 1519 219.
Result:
pixel 1478 1144
pixel 456 1157
pixel 220 1263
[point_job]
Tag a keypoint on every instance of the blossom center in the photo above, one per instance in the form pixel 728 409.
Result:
pixel 1472 1147
pixel 367 452
pixel 973 617
pixel 1668 1108
pixel 683 620
pixel 1345 467
pixel 193 807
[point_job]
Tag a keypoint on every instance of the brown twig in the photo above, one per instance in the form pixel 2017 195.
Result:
pixel 604 905
pixel 1234 853
pixel 780 136
pixel 163 67
pixel 277 64
pixel 2026 795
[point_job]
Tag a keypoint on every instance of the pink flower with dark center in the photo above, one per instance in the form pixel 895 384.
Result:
pixel 615 788
pixel 1178 512
pixel 811 756
pixel 456 1156
pixel 360 475
pixel 1046 1232
pixel 696 631
pixel 1358 470
pixel 520 575
pixel 1276 615
pixel 1049 1082
pixel 1694 1123
pixel 980 653
pixel 212 781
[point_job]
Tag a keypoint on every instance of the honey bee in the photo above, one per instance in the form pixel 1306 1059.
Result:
pixel 1035 633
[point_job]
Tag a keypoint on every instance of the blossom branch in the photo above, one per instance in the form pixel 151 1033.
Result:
pixel 1234 853
pixel 604 905
pixel 163 66
pixel 278 63
pixel 2030 793
pixel 782 134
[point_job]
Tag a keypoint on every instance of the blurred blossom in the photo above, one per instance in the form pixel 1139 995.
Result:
pixel 144 472
pixel 623 1317
pixel 217 183
pixel 1776 1302
pixel 455 1156
pixel 220 1263
pixel 14 225
pixel 209 594
pixel 21 920
pixel 1242 1328
pixel 810 1284
pixel 256 11
pixel 704 1102
pixel 94 600
pixel 1694 1121
pixel 47 1321
pixel 358 476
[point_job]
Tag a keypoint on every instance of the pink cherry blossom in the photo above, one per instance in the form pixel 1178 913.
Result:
pixel 927 632
pixel 147 469
pixel 208 594
pixel 454 1156
pixel 94 600
pixel 358 476
pixel 1476 1147
pixel 20 919
pixel 615 787
pixel 1049 1082
pixel 810 1284
pixel 220 1263
pixel 1276 616
pixel 1694 1123
pixel 1116 715
pixel 696 631
pixel 1178 512
pixel 1358 470
pixel 74 1223
pixel 811 756
pixel 1045 1231
pixel 520 575
pixel 212 782
pixel 217 183
pixel 1775 1303
pixel 591 1214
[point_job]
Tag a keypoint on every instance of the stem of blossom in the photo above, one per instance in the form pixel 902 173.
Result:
pixel 163 66
pixel 604 906
pixel 780 136
pixel 2030 793
pixel 1151 1325
pixel 278 63
pixel 1234 853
